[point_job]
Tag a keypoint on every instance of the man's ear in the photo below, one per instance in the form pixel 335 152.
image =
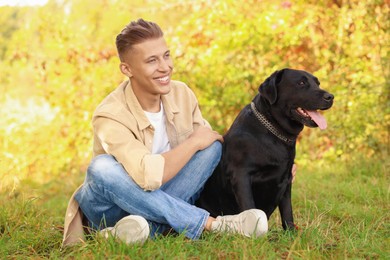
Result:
pixel 125 69
pixel 268 88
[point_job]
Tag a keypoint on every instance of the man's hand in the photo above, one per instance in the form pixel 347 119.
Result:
pixel 203 137
pixel 293 172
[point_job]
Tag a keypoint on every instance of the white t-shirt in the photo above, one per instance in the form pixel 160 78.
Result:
pixel 160 139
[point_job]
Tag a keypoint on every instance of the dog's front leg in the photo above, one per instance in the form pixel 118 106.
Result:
pixel 242 187
pixel 285 209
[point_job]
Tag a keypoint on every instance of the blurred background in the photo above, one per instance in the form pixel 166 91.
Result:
pixel 58 61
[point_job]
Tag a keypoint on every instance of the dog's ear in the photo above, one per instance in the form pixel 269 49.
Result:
pixel 268 88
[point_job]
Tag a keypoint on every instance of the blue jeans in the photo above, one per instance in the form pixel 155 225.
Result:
pixel 109 194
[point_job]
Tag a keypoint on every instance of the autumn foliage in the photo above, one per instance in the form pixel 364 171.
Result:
pixel 58 61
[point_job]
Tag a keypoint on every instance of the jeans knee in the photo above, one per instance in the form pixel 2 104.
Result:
pixel 102 165
pixel 214 151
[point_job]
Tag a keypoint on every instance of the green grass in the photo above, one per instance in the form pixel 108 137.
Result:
pixel 342 213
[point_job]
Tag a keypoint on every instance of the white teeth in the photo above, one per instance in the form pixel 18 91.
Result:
pixel 164 79
pixel 303 112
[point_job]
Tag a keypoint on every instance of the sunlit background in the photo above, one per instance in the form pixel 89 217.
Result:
pixel 23 2
pixel 58 60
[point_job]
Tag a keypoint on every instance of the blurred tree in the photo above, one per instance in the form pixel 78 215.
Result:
pixel 229 47
pixel 58 61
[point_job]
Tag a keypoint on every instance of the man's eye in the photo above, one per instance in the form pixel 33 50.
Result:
pixel 151 60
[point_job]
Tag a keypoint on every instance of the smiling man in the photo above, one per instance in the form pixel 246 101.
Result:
pixel 153 153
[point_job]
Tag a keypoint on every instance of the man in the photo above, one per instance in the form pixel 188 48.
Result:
pixel 153 153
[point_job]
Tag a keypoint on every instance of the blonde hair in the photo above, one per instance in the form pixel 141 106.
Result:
pixel 136 32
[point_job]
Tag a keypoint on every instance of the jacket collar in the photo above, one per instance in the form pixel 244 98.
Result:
pixel 170 106
pixel 135 108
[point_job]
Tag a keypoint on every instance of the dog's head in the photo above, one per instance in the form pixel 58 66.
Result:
pixel 296 94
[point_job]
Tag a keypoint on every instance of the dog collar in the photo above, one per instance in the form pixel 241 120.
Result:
pixel 269 126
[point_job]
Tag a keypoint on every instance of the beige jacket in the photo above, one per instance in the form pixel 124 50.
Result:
pixel 122 130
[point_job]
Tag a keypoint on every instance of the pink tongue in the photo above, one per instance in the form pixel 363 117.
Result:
pixel 318 118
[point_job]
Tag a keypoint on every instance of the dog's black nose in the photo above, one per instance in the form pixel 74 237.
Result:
pixel 328 97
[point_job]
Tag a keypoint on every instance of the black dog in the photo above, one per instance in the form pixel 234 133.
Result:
pixel 259 148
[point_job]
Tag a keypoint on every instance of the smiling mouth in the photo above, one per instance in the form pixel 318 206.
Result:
pixel 163 80
pixel 314 116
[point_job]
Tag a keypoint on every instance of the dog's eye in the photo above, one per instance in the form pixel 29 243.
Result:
pixel 301 83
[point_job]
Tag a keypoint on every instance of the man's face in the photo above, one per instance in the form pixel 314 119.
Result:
pixel 150 67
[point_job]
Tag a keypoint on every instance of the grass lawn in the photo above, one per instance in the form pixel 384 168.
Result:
pixel 343 213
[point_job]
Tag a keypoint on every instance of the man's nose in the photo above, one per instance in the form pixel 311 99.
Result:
pixel 165 65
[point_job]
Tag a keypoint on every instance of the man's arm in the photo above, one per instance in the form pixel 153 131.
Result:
pixel 179 156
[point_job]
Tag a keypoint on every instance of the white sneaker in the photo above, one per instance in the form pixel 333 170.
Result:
pixel 252 222
pixel 131 229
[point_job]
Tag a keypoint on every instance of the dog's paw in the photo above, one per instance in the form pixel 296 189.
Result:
pixel 290 227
